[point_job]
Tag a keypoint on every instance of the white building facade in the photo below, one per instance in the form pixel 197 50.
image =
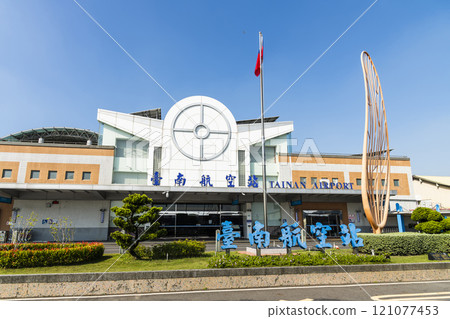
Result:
pixel 200 164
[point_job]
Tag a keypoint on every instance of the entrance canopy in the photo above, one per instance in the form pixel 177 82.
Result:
pixel 174 193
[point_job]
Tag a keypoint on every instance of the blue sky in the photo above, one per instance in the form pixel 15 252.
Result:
pixel 57 67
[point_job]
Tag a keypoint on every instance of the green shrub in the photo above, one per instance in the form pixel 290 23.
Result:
pixel 446 223
pixel 143 252
pixel 420 214
pixel 405 244
pixel 431 227
pixel 179 249
pixel 39 246
pixel 43 255
pixel 430 221
pixel 302 259
pixel 436 216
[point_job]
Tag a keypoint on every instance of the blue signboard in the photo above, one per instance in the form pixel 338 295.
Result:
pixel 296 202
pixel 5 200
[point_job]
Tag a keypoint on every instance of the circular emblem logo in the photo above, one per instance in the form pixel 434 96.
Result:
pixel 201 132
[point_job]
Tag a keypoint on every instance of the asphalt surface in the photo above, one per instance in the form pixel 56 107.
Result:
pixel 413 291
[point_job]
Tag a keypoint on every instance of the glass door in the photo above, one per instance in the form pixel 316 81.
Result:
pixel 331 218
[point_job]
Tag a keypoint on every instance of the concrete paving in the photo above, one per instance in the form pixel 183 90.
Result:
pixel 406 291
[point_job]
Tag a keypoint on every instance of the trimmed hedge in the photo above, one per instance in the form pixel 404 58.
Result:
pixel 44 255
pixel 430 227
pixel 405 244
pixel 430 221
pixel 179 249
pixel 39 246
pixel 303 259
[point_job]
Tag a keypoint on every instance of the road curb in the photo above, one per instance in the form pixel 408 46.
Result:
pixel 94 284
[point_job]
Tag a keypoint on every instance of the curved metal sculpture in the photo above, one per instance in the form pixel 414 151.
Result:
pixel 375 179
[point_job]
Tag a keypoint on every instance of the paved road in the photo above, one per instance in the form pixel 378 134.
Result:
pixel 412 291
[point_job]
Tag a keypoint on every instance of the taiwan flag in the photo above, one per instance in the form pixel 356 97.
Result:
pixel 259 60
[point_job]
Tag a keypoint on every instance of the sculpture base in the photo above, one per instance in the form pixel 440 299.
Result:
pixel 267 251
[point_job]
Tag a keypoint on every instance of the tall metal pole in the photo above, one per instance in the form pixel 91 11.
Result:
pixel 263 138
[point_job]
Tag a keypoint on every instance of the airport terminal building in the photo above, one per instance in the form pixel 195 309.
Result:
pixel 200 164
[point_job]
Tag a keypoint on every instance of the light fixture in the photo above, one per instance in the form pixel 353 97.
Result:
pixel 102 215
pixel 15 210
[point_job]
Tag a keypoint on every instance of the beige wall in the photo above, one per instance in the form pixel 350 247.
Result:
pixel 57 149
pixel 21 159
pixel 61 169
pixel 14 166
pixel 402 189
pixel 428 192
pixel 318 174
pixel 333 160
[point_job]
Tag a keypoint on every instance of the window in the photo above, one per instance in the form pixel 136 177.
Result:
pixel 358 181
pixel 157 154
pixel 383 181
pixel 86 176
pixel 335 180
pixel 313 180
pixel 256 154
pixel 241 167
pixel 52 174
pixel 396 182
pixel 131 148
pixel 121 146
pixel 7 173
pixel 303 180
pixel 70 175
pixel 270 153
pixel 35 174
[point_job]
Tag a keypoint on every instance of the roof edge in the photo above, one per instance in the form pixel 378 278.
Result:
pixel 56 145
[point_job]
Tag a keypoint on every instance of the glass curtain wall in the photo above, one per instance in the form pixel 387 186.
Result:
pixel 198 220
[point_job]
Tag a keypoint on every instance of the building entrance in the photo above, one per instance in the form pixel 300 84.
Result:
pixel 194 220
pixel 332 218
pixel 199 220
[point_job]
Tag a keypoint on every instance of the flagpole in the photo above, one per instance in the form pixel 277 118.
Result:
pixel 263 138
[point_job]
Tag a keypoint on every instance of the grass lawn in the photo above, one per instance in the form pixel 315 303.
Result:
pixel 127 263
pixel 124 263
pixel 413 259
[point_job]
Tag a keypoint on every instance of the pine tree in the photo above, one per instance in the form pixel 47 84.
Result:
pixel 136 212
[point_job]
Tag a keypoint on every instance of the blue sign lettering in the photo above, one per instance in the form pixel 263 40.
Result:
pixel 228 236
pixel 180 180
pixel 320 185
pixel 206 181
pixel 291 236
pixel 252 181
pixel 350 235
pixel 320 232
pixel 259 237
pixel 230 179
pixel 156 179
